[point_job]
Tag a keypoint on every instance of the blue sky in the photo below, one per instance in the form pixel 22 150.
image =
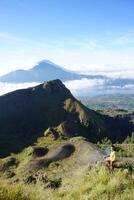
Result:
pixel 83 35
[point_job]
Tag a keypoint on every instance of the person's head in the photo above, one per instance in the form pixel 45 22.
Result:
pixel 112 147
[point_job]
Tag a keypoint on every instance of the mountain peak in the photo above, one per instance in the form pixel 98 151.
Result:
pixel 47 62
pixel 43 70
pixel 55 87
pixel 56 82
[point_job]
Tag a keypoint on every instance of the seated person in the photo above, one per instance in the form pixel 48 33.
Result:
pixel 111 159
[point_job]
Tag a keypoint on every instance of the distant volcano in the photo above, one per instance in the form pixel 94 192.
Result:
pixel 44 70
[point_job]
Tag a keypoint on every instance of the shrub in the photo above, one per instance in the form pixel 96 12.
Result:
pixel 104 143
pixel 55 183
pixel 129 139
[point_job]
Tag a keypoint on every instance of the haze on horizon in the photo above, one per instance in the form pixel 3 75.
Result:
pixel 86 36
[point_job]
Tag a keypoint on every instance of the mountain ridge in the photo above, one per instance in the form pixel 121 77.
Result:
pixel 30 112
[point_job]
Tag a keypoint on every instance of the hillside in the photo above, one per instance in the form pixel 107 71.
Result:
pixel 63 169
pixel 28 113
pixel 50 108
pixel 46 150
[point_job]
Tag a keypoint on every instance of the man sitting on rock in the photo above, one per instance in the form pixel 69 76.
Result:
pixel 111 159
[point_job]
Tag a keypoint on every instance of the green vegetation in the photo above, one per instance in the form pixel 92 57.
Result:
pixel 96 183
pixel 125 149
pixel 130 139
pixel 51 108
pixel 45 150
pixel 71 178
pixel 104 143
pixel 30 112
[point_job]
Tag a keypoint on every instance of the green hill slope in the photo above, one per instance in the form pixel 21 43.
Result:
pixel 44 155
pixel 50 108
pixel 62 169
pixel 26 114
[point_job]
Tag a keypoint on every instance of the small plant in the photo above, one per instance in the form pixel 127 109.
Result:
pixel 129 139
pixel 129 166
pixel 104 143
pixel 56 183
pixel 125 150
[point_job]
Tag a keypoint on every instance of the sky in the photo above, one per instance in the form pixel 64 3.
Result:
pixel 82 35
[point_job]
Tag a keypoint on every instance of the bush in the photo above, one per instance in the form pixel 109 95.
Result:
pixel 56 183
pixel 129 166
pixel 104 143
pixel 129 139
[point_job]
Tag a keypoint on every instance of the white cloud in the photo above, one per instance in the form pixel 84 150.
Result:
pixel 84 85
pixel 127 39
pixel 9 87
pixel 77 87
pixel 119 73
pixel 84 61
pixel 88 87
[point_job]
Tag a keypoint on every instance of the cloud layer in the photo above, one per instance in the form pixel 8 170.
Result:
pixel 9 87
pixel 83 87
pixel 86 87
pixel 118 73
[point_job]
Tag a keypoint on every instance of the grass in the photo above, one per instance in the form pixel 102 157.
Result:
pixel 125 150
pixel 67 179
pixel 97 183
